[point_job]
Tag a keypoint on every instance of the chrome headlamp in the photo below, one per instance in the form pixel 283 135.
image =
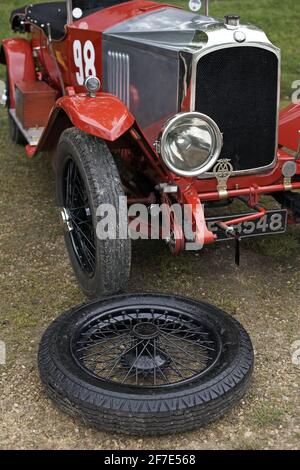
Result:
pixel 92 84
pixel 190 144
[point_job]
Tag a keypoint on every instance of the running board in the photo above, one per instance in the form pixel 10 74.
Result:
pixel 32 135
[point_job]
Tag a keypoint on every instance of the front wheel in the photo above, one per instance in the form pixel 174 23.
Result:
pixel 146 364
pixel 86 178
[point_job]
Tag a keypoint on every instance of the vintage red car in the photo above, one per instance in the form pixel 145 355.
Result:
pixel 152 106
pixel 158 104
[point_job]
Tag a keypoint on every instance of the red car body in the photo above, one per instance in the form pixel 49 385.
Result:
pixel 107 117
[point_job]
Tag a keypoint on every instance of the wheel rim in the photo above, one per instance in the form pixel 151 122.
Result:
pixel 80 222
pixel 148 347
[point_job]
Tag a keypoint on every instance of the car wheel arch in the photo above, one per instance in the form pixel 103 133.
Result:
pixel 79 111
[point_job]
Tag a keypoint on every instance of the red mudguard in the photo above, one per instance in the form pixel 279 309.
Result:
pixel 104 116
pixel 19 62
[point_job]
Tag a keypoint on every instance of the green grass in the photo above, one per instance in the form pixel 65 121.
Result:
pixel 280 20
pixel 275 246
pixel 267 415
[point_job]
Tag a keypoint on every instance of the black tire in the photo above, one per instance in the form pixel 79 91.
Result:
pixel 102 184
pixel 128 409
pixel 15 134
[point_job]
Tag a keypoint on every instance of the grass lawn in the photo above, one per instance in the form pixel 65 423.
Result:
pixel 280 20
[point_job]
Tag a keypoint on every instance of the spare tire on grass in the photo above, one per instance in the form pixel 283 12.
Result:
pixel 146 364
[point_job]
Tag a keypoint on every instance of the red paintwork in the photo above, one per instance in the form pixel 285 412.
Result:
pixel 108 118
pixel 19 61
pixel 190 196
pixel 289 127
pixel 104 116
pixel 30 150
pixel 258 215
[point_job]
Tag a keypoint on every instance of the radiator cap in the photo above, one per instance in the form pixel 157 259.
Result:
pixel 232 21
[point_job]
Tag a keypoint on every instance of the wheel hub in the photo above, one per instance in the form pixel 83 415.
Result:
pixel 144 358
pixel 145 331
pixel 147 362
pixel 66 220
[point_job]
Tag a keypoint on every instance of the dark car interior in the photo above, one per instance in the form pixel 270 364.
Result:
pixel 55 15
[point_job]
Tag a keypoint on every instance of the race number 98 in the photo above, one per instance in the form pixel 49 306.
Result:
pixel 84 59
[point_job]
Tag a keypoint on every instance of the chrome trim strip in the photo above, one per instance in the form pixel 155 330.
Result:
pixel 206 8
pixel 118 69
pixel 213 48
pixel 69 12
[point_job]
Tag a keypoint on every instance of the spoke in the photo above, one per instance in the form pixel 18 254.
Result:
pixel 97 343
pixel 105 351
pixel 136 369
pixel 159 368
pixel 182 349
pixel 176 330
pixel 118 358
pixel 180 363
pixel 79 188
pixel 115 331
pixel 184 365
pixel 177 370
pixel 74 172
pixel 86 255
pixel 136 359
pixel 91 259
pixel 79 220
pixel 186 356
pixel 69 188
pixel 83 234
pixel 72 209
pixel 192 334
pixel 154 369
pixel 194 343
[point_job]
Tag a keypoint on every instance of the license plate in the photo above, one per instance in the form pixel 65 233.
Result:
pixel 273 223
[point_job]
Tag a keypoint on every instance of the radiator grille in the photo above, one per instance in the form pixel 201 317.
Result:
pixel 118 75
pixel 238 88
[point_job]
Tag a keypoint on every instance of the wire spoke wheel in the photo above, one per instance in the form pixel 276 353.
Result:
pixel 146 364
pixel 87 178
pixel 79 213
pixel 148 347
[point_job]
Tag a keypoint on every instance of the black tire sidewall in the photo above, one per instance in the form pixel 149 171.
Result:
pixel 234 366
pixel 98 284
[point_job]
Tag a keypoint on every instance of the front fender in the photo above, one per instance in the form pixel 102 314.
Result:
pixel 104 116
pixel 289 127
pixel 16 53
